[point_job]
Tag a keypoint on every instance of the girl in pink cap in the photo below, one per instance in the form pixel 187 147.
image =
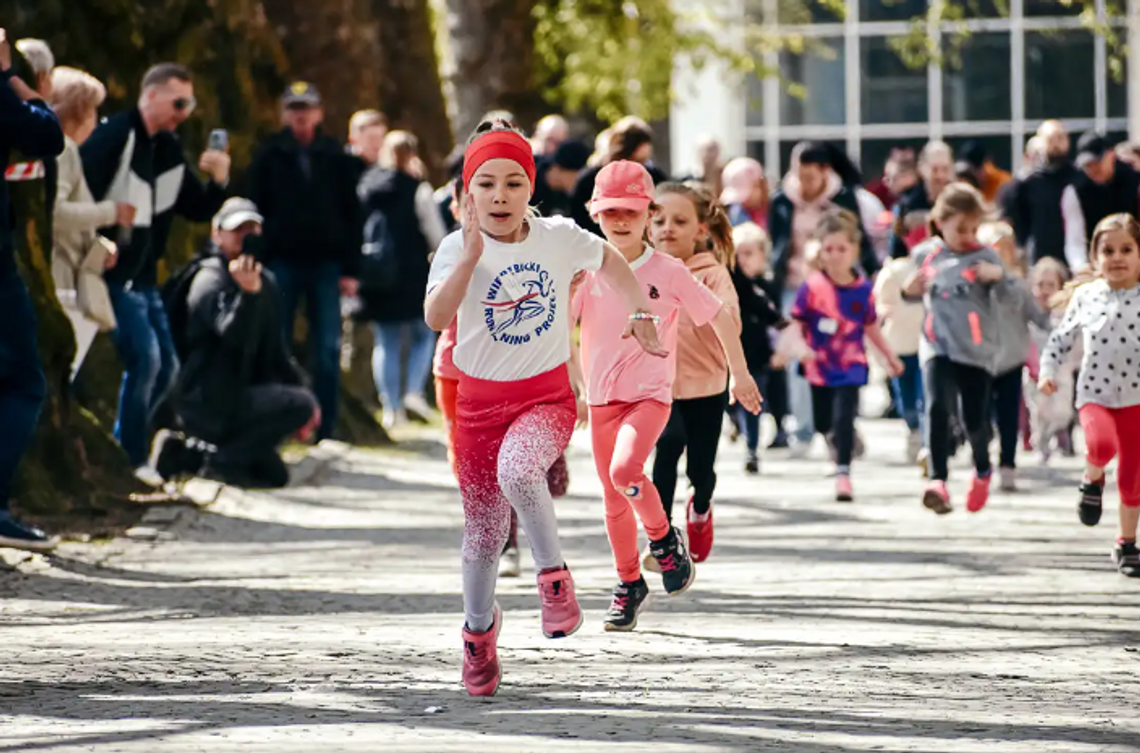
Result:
pixel 505 279
pixel 630 392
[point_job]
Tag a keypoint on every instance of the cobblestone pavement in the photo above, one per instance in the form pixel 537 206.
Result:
pixel 326 618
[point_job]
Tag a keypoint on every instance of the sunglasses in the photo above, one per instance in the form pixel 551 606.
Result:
pixel 185 104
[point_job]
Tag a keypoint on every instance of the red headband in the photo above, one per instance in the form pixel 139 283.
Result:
pixel 498 145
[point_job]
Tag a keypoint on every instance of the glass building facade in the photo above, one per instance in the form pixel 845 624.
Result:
pixel 1006 73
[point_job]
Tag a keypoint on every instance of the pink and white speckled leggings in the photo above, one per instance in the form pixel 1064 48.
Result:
pixel 508 435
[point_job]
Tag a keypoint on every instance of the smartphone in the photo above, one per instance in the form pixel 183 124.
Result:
pixel 219 140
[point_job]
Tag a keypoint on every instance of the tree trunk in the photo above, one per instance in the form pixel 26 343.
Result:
pixel 411 92
pixel 492 62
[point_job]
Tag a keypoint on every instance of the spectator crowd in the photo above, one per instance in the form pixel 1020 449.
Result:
pixel 211 385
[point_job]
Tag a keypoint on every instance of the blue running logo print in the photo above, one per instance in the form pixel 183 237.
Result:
pixel 520 304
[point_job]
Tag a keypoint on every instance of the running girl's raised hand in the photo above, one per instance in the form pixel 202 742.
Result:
pixel 645 332
pixel 1047 386
pixel 472 235
pixel 745 392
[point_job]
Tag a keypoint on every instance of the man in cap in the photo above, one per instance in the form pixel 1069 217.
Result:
pixel 305 186
pixel 1104 186
pixel 239 389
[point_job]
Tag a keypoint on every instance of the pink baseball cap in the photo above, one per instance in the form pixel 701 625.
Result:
pixel 622 185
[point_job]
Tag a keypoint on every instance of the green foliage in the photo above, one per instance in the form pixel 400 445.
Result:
pixel 617 58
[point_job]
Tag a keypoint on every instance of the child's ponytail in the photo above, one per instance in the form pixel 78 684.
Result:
pixel 711 213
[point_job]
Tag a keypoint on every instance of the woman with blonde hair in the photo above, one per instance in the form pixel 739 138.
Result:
pixel 79 253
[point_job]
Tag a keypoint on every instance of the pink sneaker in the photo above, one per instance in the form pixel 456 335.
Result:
pixel 979 493
pixel 937 498
pixel 482 672
pixel 843 490
pixel 700 532
pixel 561 615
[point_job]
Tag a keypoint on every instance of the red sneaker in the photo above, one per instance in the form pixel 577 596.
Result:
pixel 700 533
pixel 482 672
pixel 979 493
pixel 937 497
pixel 561 615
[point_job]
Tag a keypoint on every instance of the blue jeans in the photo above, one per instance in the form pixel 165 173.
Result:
pixel 320 285
pixel 387 358
pixel 908 393
pixel 22 384
pixel 150 365
pixel 799 390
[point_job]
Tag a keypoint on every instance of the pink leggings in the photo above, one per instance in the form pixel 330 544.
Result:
pixel 623 436
pixel 507 436
pixel 1115 433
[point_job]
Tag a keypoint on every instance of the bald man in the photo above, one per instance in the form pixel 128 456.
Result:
pixel 1034 209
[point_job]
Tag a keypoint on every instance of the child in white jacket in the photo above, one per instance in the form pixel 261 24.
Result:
pixel 1049 415
pixel 902 326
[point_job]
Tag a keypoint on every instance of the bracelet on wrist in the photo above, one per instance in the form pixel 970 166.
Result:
pixel 644 316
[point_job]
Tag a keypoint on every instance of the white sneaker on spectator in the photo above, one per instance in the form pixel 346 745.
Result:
pixel 393 418
pixel 510 565
pixel 149 476
pixel 416 404
pixel 913 446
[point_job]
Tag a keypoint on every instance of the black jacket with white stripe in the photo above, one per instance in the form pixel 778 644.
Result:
pixel 122 162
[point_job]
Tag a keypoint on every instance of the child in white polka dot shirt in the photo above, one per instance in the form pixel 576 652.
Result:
pixel 1107 313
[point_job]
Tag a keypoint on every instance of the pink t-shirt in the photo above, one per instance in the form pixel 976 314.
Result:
pixel 617 370
pixel 444 367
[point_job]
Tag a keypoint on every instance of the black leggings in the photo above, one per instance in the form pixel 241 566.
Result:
pixel 694 425
pixel 1007 413
pixel 835 409
pixel 945 381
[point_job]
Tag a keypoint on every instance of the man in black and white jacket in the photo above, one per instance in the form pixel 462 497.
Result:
pixel 136 157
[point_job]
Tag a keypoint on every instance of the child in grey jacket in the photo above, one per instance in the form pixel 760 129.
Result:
pixel 962 285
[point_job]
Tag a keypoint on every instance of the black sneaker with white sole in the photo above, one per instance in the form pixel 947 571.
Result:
pixel 677 568
pixel 1126 557
pixel 1092 502
pixel 17 535
pixel 629 599
pixel 174 457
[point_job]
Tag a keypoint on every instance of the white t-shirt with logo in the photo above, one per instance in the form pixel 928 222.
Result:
pixel 514 322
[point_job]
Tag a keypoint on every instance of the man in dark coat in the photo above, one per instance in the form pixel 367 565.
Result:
pixel 1034 207
pixel 27 125
pixel 135 157
pixel 305 186
pixel 1104 186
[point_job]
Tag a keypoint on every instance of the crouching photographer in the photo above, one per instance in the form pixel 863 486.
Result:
pixel 239 391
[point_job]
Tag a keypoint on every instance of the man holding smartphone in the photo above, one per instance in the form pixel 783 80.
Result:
pixel 29 126
pixel 136 157
pixel 239 388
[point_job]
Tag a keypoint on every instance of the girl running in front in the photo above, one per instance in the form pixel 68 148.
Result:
pixel 1018 311
pixel 1049 415
pixel 691 226
pixel 446 393
pixel 960 283
pixel 506 276
pixel 630 391
pixel 1106 312
pixel 836 308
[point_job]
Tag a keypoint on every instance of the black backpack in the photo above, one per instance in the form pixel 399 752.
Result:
pixel 380 263
pixel 175 295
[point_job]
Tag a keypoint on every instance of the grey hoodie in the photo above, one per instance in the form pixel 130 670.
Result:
pixel 1017 308
pixel 962 314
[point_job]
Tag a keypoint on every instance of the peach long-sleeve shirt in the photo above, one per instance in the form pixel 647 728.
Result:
pixel 702 369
